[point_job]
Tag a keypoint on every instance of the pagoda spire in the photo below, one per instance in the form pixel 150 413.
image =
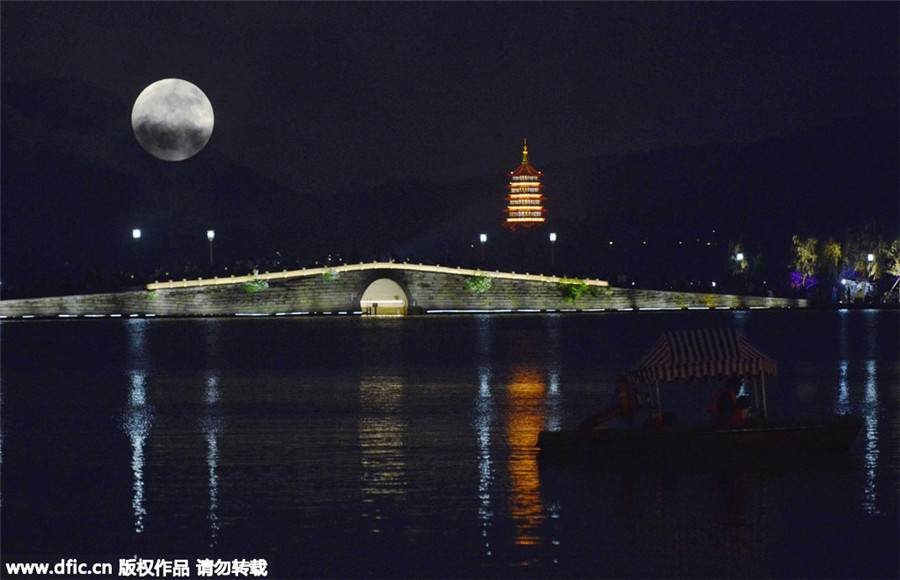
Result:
pixel 525 152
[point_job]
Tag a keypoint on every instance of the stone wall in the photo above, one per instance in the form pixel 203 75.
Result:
pixel 341 293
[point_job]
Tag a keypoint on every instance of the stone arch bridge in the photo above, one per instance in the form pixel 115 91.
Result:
pixel 382 288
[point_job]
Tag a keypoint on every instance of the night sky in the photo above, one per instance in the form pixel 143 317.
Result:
pixel 318 101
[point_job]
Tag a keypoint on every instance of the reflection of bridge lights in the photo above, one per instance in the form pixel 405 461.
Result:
pixel 381 436
pixel 211 423
pixel 843 404
pixel 553 402
pixel 137 394
pixel 212 464
pixel 138 419
pixel 212 460
pixel 212 390
pixel 872 452
pixel 870 411
pixel 484 387
pixel 483 420
pixel 138 427
pixel 138 415
pixel 137 339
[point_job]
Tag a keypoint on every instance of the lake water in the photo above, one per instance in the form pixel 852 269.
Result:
pixel 360 447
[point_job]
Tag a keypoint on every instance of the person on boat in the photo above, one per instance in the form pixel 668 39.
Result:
pixel 741 406
pixel 724 406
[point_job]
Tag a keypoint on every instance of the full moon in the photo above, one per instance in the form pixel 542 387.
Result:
pixel 172 119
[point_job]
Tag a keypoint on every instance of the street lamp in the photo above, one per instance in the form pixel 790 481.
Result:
pixel 870 258
pixel 210 235
pixel 136 234
pixel 552 250
pixel 482 238
pixel 739 256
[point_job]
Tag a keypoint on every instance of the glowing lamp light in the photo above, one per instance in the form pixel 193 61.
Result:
pixel 483 238
pixel 136 234
pixel 552 249
pixel 211 235
pixel 739 256
pixel 870 257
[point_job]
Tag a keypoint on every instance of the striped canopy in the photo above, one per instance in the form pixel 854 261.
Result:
pixel 701 355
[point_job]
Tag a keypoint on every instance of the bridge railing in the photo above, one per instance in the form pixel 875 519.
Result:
pixel 308 272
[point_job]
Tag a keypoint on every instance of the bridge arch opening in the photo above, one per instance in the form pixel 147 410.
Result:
pixel 384 297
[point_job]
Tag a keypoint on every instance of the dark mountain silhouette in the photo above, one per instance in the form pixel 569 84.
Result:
pixel 75 181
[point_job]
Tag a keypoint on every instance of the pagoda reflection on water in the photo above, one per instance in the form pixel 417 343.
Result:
pixel 525 200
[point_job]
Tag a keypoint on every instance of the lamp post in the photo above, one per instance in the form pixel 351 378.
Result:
pixel 210 235
pixel 552 249
pixel 482 238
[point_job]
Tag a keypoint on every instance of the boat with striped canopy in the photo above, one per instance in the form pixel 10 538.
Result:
pixel 703 355
pixel 693 356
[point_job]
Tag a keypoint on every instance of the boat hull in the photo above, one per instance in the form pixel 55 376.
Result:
pixel 794 439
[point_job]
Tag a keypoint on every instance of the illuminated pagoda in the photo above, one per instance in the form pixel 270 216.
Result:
pixel 525 200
